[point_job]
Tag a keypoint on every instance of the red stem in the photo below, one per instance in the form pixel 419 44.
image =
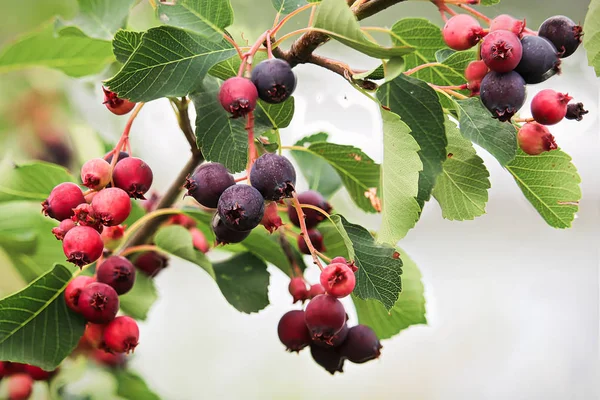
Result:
pixel 251 145
pixel 124 136
pixel 304 233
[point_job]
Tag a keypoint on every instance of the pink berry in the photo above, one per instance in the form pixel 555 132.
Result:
pixel 505 22
pixel 271 219
pixel 134 176
pixel 82 245
pixel 476 70
pixel 535 139
pixel 95 173
pixel 315 238
pixel 20 387
pixel 238 96
pixel 94 335
pixel 85 215
pixel 501 51
pixel 549 107
pixel 338 279
pixel 112 205
pixel 98 303
pixel 462 32
pixel 199 240
pixel 151 263
pixel 61 230
pixel 62 200
pixel 122 335
pixel 38 374
pixel 115 104
pixel 298 290
pixel 112 234
pixel 324 316
pixel 342 260
pixel 292 331
pixel 107 359
pixel 183 220
pixel 316 290
pixel 117 272
pixel 73 291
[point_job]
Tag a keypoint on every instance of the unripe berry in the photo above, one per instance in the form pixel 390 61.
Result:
pixel 151 263
pixel 292 331
pixel 95 173
pixel 94 335
pixel 98 303
pixel 85 215
pixel 298 290
pixel 576 111
pixel 107 359
pixel 117 272
pixel 313 217
pixel 271 219
pixel 224 235
pixel 208 182
pixel 462 32
pixel 501 51
pixel 534 139
pixel 20 387
pixel 316 290
pixel 82 245
pixel 73 291
pixel 505 22
pixel 61 230
pixel 62 200
pixel 112 205
pixel 328 358
pixel 549 107
pixel 115 104
pixel 199 240
pixel 134 176
pixel 273 176
pixel 315 238
pixel 274 80
pixel 539 61
pixel 183 220
pixel 361 345
pixel 238 96
pixel 338 279
pixel 241 207
pixel 476 70
pixel 564 34
pixel 121 335
pixel 325 316
pixel 38 374
pixel 503 94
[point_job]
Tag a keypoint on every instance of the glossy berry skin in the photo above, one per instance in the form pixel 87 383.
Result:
pixel 98 303
pixel 503 94
pixel 361 345
pixel 224 235
pixel 238 96
pixel 338 279
pixel 315 238
pixel 273 176
pixel 539 61
pixel 501 51
pixel 476 70
pixel 73 291
pixel 121 335
pixel 151 263
pixel 62 200
pixel 241 207
pixel 115 104
pixel 82 245
pixel 208 182
pixel 134 176
pixel 199 240
pixel 316 290
pixel 324 316
pixel 313 217
pixel 117 272
pixel 271 219
pixel 20 387
pixel 337 339
pixel 95 173
pixel 535 139
pixel 94 335
pixel 564 34
pixel 298 290
pixel 576 111
pixel 292 331
pixel 549 107
pixel 112 206
pixel 274 80
pixel 505 22
pixel 37 373
pixel 328 358
pixel 462 32
pixel 61 230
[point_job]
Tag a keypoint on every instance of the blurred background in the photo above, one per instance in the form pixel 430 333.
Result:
pixel 512 304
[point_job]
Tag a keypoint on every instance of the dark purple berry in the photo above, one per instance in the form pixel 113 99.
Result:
pixel 273 176
pixel 328 358
pixel 361 345
pixel 564 34
pixel 224 235
pixel 208 182
pixel 117 272
pixel 325 316
pixel 503 94
pixel 576 111
pixel 274 80
pixel 241 207
pixel 313 217
pixel 539 61
pixel 292 331
pixel 151 263
pixel 337 339
pixel 134 176
pixel 238 96
pixel 315 238
pixel 109 156
pixel 98 303
pixel 501 51
pixel 62 200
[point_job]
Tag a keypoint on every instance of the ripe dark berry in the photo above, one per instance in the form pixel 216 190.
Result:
pixel 116 105
pixel 183 220
pixel 85 215
pixel 462 32
pixel 208 182
pixel 98 303
pixel 503 94
pixel 94 335
pixel 109 156
pixel 328 358
pixel 539 61
pixel 134 176
pixel 61 230
pixel 564 34
pixel 273 176
pixel 82 245
pixel 576 111
pixel 505 22
pixel 316 290
pixel 549 107
pixel 73 291
pixel 107 359
pixel 313 217
pixel 62 200
pixel 298 290
pixel 325 316
pixel 11 368
pixel 337 339
pixel 241 207
pixel 151 263
pixel 501 51
pixel 238 96
pixel 19 387
pixel 534 139
pixel 292 331
pixel 121 335
pixel 271 219
pixel 95 173
pixel 338 279
pixel 361 345
pixel 117 272
pixel 199 240
pixel 224 235
pixel 274 80
pixel 315 238
pixel 112 206
pixel 37 373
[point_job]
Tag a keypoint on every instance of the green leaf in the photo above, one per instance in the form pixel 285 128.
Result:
pixel 275 116
pixel 489 2
pixel 400 179
pixel 320 176
pixel 132 386
pixel 137 302
pixel 266 246
pixel 551 184
pixel 100 19
pixel 207 18
pixel 244 281
pixel 177 240
pixel 408 310
pixel 591 39
pixel 76 56
pixel 335 18
pixel 424 36
pixel 37 327
pixel 169 62
pixel 125 43
pixel 287 6
pixel 462 188
pixel 443 54
pixel 336 239
pixel 229 68
pixel 418 106
pixel 476 124
pixel 31 181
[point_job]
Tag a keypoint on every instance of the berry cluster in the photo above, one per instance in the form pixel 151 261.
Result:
pixel 21 377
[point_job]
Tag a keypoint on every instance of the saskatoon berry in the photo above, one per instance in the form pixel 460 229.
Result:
pixel 325 316
pixel 238 96
pixel 20 387
pixel 183 220
pixel 505 22
pixel 462 32
pixel 134 176
pixel 95 173
pixel 241 207
pixel 313 217
pixel 273 176
pixel 503 94
pixel 338 279
pixel 112 234
pixel 534 139
pixel 151 263
pixel 62 200
pixel 361 345
pixel 316 290
pixel 98 303
pixel 61 230
pixel 94 335
pixel 82 245
pixel 315 238
pixel 116 105
pixel 328 358
pixel 274 80
pixel 298 290
pixel 337 339
pixel 85 215
pixel 121 335
pixel 73 291
pixel 292 331
pixel 199 240
pixel 109 156
pixel 539 61
pixel 342 260
pixel 501 51
pixel 271 219
pixel 208 182
pixel 117 272
pixel 564 34
pixel 576 111
pixel 549 107
pixel 112 206
pixel 38 374
pixel 224 235
pixel 105 358
pixel 476 70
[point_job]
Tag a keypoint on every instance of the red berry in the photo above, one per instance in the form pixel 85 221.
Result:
pixel 94 335
pixel 112 205
pixel 292 331
pixel 535 139
pixel 85 215
pixel 151 263
pixel 298 290
pixel 476 70
pixel 238 96
pixel 117 272
pixel 316 290
pixel 108 359
pixel 111 234
pixel 38 374
pixel 3 371
pixel 462 32
pixel 12 368
pixel 324 316
pixel 82 245
pixel 549 107
pixel 122 335
pixel 62 200
pixel 328 358
pixel 336 340
pixel 199 240
pixel 134 176
pixel 342 260
pixel 313 217
pixel 116 105
pixel 505 22
pixel 98 303
pixel 501 51
pixel 315 238
pixel 361 345
pixel 271 219
pixel 20 387
pixel 183 220
pixel 338 279
pixel 73 291
pixel 95 173
pixel 61 230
